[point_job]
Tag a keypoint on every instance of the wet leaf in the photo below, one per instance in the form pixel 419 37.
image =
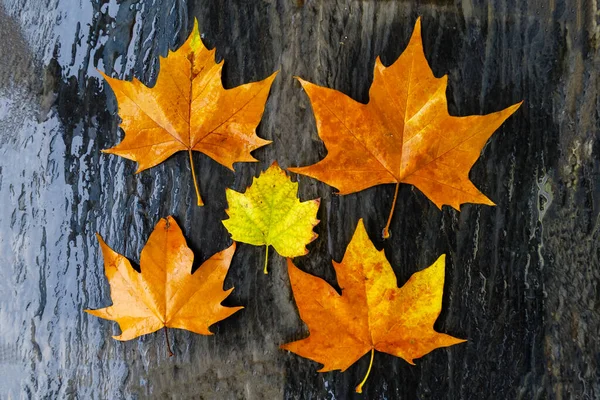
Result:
pixel 403 135
pixel 189 110
pixel 372 313
pixel 269 213
pixel 165 294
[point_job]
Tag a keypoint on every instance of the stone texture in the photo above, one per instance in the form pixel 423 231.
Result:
pixel 523 278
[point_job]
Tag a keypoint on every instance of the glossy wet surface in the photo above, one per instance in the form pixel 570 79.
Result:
pixel 522 280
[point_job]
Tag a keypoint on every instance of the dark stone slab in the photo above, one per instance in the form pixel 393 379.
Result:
pixel 522 278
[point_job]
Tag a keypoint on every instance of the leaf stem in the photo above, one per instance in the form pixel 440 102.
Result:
pixel 266 259
pixel 167 339
pixel 200 202
pixel 386 230
pixel 360 385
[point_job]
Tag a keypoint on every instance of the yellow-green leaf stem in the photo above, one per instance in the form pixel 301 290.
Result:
pixel 198 197
pixel 266 259
pixel 360 385
pixel 386 230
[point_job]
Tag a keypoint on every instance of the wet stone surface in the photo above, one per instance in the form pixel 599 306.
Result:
pixel 522 279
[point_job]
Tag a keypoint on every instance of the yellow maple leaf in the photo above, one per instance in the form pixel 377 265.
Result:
pixel 189 110
pixel 270 214
pixel 404 134
pixel 372 313
pixel 165 294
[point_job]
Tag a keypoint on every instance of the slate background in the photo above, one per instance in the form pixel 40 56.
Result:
pixel 522 278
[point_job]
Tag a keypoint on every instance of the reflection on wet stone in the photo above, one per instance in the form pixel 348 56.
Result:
pixel 522 277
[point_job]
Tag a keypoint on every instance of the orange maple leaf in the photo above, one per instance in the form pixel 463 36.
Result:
pixel 403 135
pixel 165 294
pixel 372 313
pixel 189 110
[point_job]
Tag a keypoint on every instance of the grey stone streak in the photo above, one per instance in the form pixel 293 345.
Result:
pixel 522 280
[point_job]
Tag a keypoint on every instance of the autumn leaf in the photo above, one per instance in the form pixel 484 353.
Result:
pixel 403 135
pixel 189 110
pixel 270 214
pixel 165 294
pixel 372 313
